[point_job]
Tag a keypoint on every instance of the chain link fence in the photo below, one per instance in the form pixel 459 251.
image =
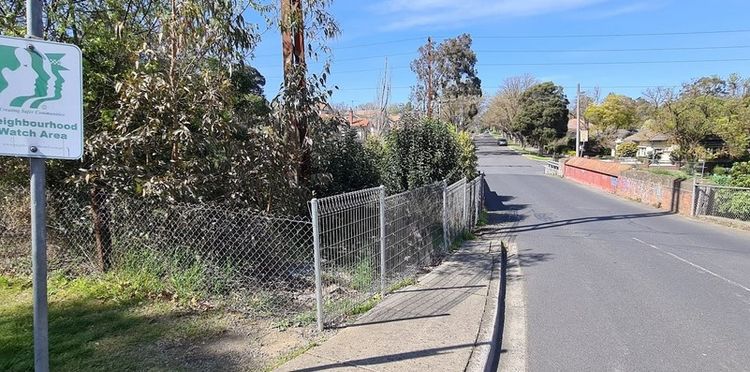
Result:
pixel 723 201
pixel 257 263
pixel 260 264
pixel 366 244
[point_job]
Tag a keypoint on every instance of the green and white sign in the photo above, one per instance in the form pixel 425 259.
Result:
pixel 41 99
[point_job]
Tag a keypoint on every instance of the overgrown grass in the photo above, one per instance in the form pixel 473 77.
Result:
pixel 401 284
pixel 114 323
pixel 669 172
pixel 364 275
pixel 459 241
pixel 364 306
pixel 289 356
pixel 484 218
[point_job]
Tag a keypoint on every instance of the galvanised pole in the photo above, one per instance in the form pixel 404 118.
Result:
pixel 38 185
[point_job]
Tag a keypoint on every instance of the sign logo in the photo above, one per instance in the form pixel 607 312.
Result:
pixel 41 99
pixel 44 70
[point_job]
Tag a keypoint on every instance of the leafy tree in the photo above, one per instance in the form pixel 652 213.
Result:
pixel 688 121
pixel 713 86
pixel 425 92
pixel 627 149
pixel 460 88
pixel 616 112
pixel 733 126
pixel 447 77
pixel 505 105
pixel 544 114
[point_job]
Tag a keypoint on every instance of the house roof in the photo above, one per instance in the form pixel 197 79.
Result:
pixel 647 136
pixel 360 122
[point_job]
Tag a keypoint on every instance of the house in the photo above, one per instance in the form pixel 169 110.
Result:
pixel 652 145
pixel 366 122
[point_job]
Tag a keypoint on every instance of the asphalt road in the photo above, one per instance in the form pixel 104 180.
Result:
pixel 613 285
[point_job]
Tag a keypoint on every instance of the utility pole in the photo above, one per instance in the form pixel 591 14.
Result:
pixel 578 120
pixel 293 52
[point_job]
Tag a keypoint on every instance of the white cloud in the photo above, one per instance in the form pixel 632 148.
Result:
pixel 624 9
pixel 418 13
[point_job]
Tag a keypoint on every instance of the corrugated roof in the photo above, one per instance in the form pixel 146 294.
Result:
pixel 612 169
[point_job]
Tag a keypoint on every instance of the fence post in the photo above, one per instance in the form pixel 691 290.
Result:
pixel 478 198
pixel 445 216
pixel 316 249
pixel 694 210
pixel 382 240
pixel 465 213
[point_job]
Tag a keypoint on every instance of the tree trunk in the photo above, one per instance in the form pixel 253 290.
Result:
pixel 102 232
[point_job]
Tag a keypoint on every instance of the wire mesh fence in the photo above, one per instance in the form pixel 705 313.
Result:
pixel 264 265
pixel 369 244
pixel 722 201
pixel 257 263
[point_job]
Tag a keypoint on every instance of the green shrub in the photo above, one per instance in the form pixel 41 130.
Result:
pixel 421 152
pixel 740 173
pixel 468 160
pixel 342 164
pixel 720 171
pixel 627 149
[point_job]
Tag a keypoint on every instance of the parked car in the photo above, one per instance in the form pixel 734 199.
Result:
pixel 502 142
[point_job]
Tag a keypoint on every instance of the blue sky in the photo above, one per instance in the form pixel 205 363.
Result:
pixel 513 37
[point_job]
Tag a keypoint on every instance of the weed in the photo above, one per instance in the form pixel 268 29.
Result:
pixel 484 218
pixel 669 172
pixel 364 307
pixel 289 356
pixel 401 284
pixel 188 283
pixel 364 275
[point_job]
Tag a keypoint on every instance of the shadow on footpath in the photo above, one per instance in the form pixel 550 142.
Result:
pixel 390 358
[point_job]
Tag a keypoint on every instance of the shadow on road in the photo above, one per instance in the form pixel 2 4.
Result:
pixel 577 221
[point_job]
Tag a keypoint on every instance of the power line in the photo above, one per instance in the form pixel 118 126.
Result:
pixel 572 36
pixel 562 36
pixel 551 36
pixel 498 51
pixel 596 63
pixel 565 87
pixel 617 63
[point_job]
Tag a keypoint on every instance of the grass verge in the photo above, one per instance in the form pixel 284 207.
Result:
pixel 120 323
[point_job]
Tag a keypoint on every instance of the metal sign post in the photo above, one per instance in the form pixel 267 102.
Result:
pixel 38 170
pixel 41 117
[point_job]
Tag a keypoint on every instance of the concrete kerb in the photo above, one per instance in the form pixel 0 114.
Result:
pixel 485 354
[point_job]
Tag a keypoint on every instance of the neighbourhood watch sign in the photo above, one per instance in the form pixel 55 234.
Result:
pixel 41 106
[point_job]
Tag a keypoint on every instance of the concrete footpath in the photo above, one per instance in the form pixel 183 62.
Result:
pixel 443 323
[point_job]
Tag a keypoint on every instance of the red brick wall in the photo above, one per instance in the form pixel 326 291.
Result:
pixel 601 181
pixel 664 192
